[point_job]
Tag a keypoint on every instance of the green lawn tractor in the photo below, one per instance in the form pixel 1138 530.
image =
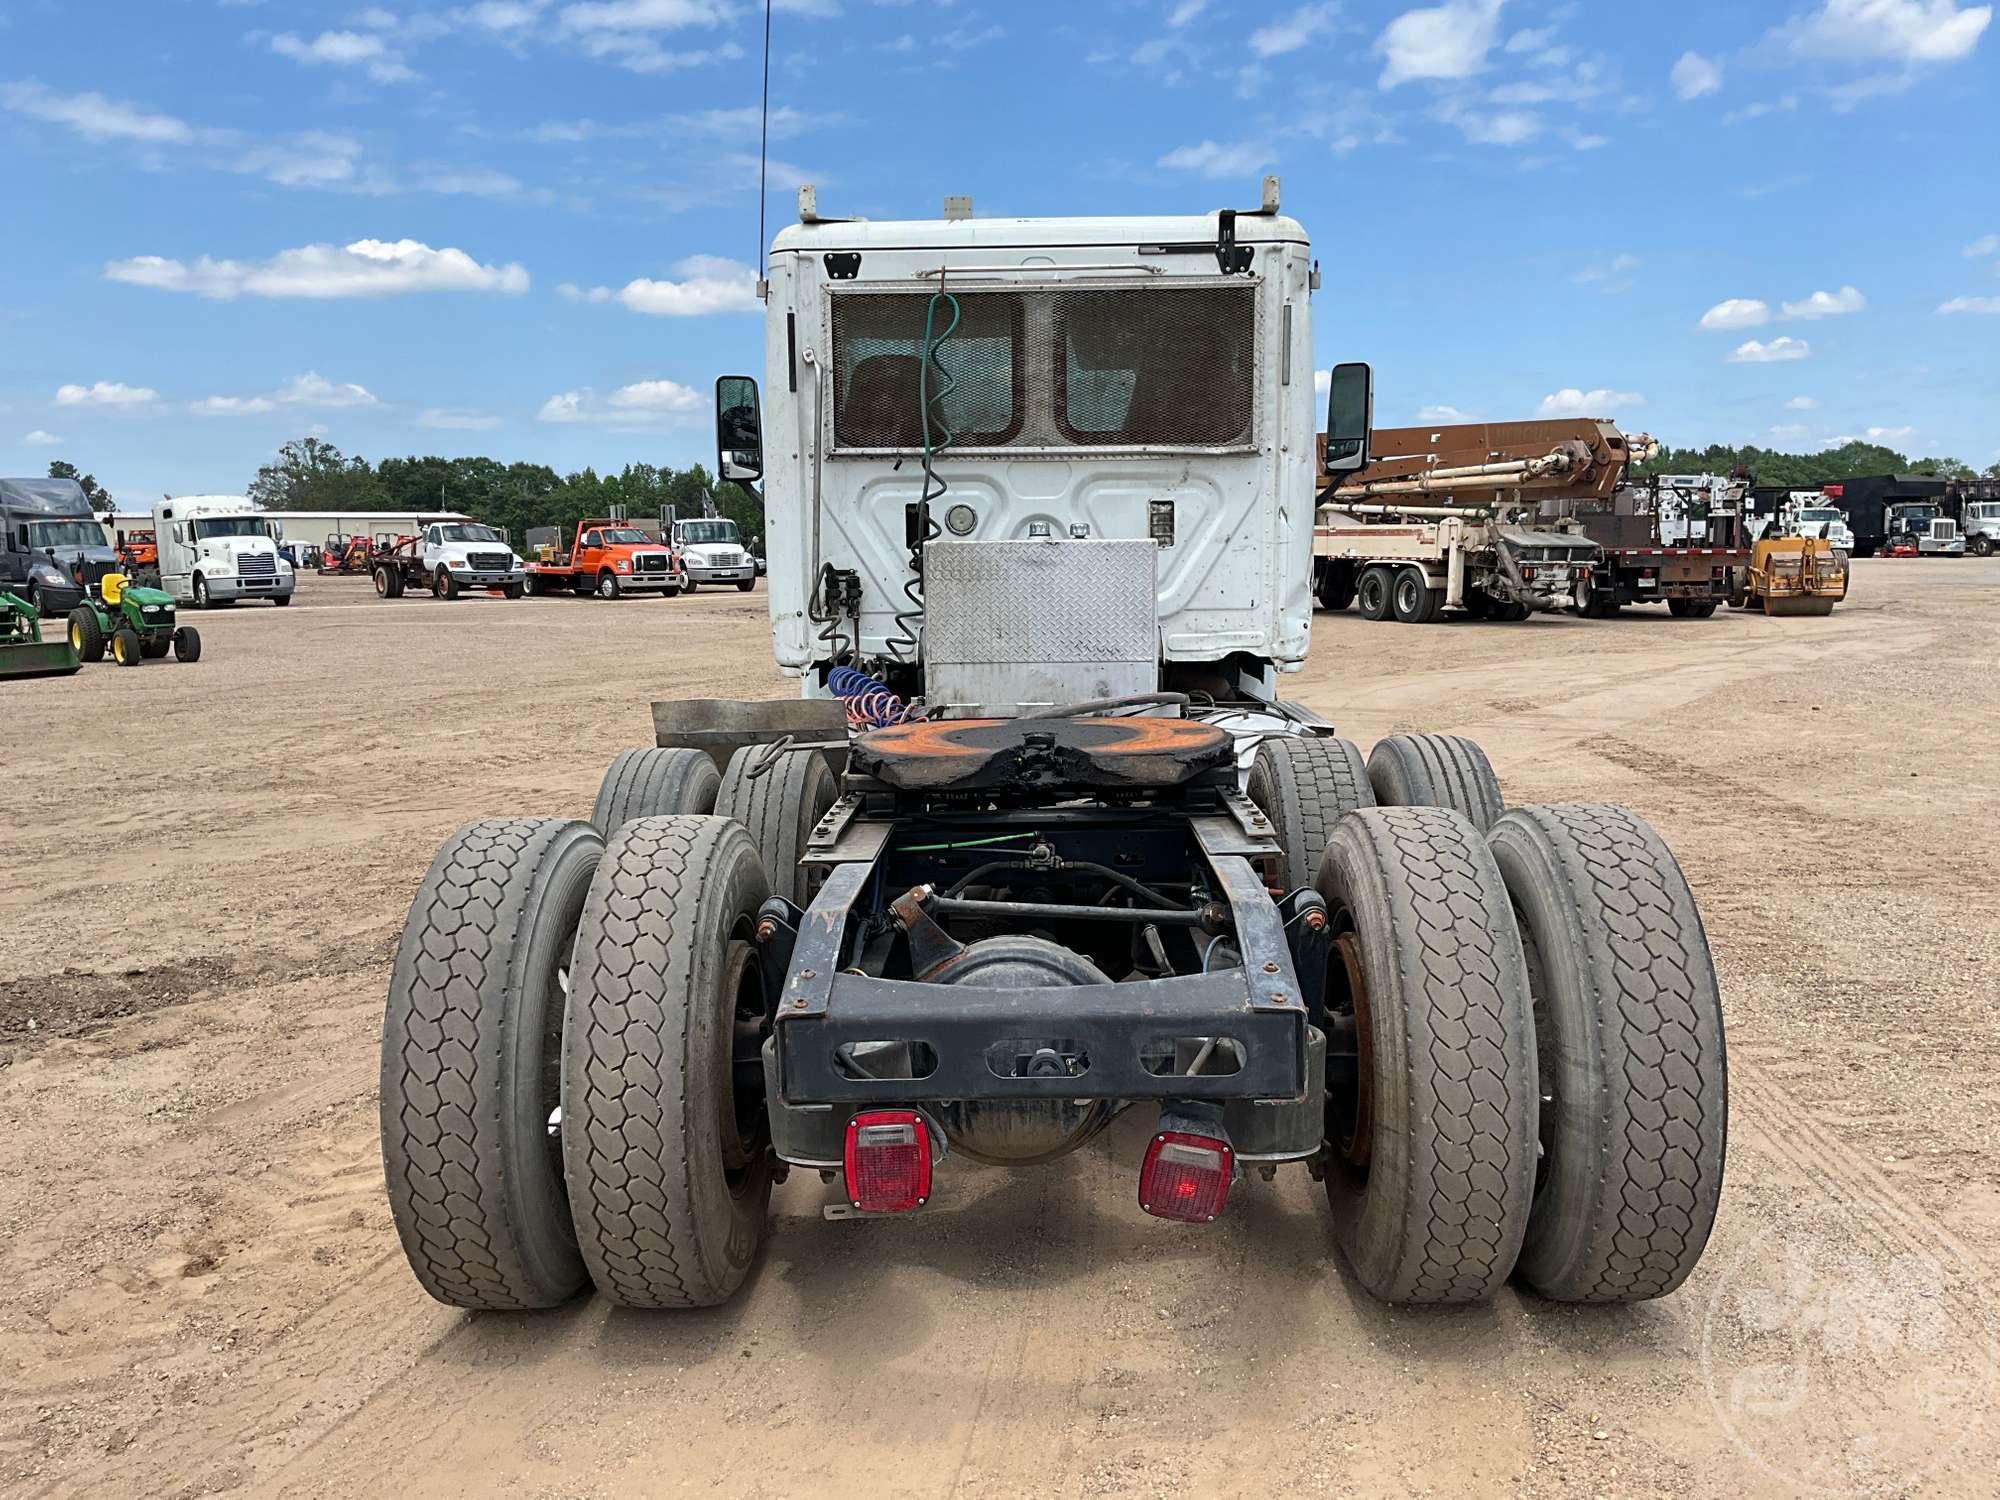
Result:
pixel 23 652
pixel 137 624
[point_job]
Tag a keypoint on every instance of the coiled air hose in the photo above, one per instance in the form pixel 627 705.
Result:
pixel 902 645
pixel 870 704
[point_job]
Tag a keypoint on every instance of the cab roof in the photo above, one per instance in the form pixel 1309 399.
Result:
pixel 989 234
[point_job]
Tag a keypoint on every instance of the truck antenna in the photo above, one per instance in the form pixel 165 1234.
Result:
pixel 763 139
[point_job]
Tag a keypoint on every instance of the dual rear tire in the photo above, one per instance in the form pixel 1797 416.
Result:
pixel 1528 1071
pixel 569 1082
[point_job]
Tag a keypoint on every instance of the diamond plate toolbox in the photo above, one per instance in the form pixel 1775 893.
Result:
pixel 1011 624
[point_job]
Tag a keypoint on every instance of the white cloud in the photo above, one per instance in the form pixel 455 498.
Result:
pixel 1322 384
pixel 706 284
pixel 1215 160
pixel 1185 12
pixel 1907 31
pixel 817 10
pixel 344 49
pixel 1891 434
pixel 94 116
pixel 1802 403
pixel 311 391
pixel 1508 128
pixel 641 15
pixel 314 389
pixel 1778 351
pixel 40 439
pixel 648 403
pixel 1614 275
pixel 1986 245
pixel 499 15
pixel 1444 41
pixel 1445 415
pixel 232 406
pixel 1826 305
pixel 112 393
pixel 1290 33
pixel 443 419
pixel 365 268
pixel 1736 312
pixel 1694 76
pixel 1533 40
pixel 1571 402
pixel 1971 305
pixel 1790 430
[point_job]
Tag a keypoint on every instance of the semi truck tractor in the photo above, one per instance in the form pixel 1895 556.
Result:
pixel 52 546
pixel 1040 503
pixel 217 549
pixel 711 548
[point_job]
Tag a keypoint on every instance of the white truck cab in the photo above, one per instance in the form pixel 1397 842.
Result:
pixel 216 549
pixel 1982 526
pixel 1814 517
pixel 474 555
pixel 712 550
pixel 1118 487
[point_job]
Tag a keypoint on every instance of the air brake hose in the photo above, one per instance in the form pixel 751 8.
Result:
pixel 903 643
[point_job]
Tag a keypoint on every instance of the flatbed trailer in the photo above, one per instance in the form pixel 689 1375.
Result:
pixel 1676 540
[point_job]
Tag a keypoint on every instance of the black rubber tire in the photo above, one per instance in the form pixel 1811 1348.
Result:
pixel 448 586
pixel 126 648
pixel 153 647
pixel 655 1009
pixel 471 1055
pixel 607 585
pixel 512 590
pixel 86 634
pixel 1982 546
pixel 1691 609
pixel 1415 602
pixel 1436 770
pixel 1333 584
pixel 654 783
pixel 780 808
pixel 1511 614
pixel 187 644
pixel 1438 1211
pixel 1480 605
pixel 1373 593
pixel 1305 784
pixel 200 592
pixel 746 584
pixel 1629 1033
pixel 281 600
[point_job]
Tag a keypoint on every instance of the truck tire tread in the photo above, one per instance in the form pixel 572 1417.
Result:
pixel 1305 784
pixel 656 1222
pixel 652 783
pixel 1627 1007
pixel 1436 770
pixel 477 1202
pixel 780 807
pixel 1444 1206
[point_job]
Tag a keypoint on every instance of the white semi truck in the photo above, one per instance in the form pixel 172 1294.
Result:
pixel 1055 478
pixel 217 549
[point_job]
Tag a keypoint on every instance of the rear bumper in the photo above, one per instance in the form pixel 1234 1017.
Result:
pixel 973 1033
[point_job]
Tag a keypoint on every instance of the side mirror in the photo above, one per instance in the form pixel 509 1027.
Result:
pixel 1350 415
pixel 739 429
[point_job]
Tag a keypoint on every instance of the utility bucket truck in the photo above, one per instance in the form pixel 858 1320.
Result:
pixel 1039 497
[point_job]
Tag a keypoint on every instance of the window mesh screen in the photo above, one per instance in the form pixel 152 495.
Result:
pixel 1063 368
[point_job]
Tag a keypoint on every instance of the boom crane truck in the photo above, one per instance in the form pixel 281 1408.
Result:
pixel 1447 517
pixel 1040 507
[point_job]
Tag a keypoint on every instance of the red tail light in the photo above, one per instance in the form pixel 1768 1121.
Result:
pixel 1185 1177
pixel 888 1161
pixel 1527 572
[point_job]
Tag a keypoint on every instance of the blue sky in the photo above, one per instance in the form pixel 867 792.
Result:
pixel 527 227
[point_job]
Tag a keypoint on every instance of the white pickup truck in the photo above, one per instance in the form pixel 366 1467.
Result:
pixel 712 550
pixel 216 549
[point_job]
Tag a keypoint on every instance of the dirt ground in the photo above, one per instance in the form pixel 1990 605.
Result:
pixel 200 1289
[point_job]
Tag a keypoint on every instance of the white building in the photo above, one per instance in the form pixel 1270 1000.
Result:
pixel 309 528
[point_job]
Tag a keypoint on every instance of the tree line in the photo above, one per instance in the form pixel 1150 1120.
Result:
pixel 1806 471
